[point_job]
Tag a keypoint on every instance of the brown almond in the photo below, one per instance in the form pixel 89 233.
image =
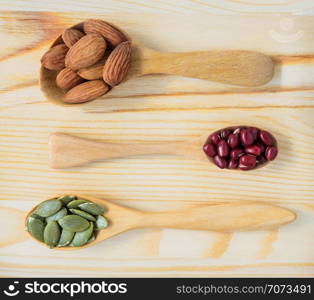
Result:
pixel 117 64
pixel 86 52
pixel 112 35
pixel 67 79
pixel 70 36
pixel 86 91
pixel 53 59
pixel 94 71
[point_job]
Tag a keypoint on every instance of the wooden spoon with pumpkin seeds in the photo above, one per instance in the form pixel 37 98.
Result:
pixel 221 217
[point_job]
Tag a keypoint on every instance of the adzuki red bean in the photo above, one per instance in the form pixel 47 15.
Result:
pixel 233 164
pixel 247 138
pixel 210 150
pixel 222 148
pixel 266 138
pixel 236 153
pixel 254 149
pixel 261 159
pixel 271 153
pixel 241 147
pixel 220 162
pixel 233 140
pixel 254 131
pixel 248 160
pixel 225 133
pixel 214 138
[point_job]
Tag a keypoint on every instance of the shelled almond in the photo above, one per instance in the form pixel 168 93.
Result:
pixel 117 64
pixel 109 33
pixel 86 91
pixel 54 58
pixel 70 36
pixel 95 71
pixel 67 79
pixel 86 51
pixel 90 60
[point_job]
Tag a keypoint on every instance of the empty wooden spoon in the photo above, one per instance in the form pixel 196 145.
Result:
pixel 245 68
pixel 221 217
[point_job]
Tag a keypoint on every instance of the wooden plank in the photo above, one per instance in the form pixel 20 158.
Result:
pixel 188 7
pixel 160 108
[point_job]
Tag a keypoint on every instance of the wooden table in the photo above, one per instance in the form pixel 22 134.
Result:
pixel 161 108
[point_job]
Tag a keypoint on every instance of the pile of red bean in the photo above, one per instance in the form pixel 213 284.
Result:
pixel 243 148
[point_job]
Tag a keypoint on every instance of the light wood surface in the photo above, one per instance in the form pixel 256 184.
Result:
pixel 163 109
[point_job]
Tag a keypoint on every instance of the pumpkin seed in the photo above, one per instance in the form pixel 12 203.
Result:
pixel 81 238
pixel 92 238
pixel 58 215
pixel 76 203
pixel 48 208
pixel 52 234
pixel 92 208
pixel 66 238
pixel 66 199
pixel 66 221
pixel 33 215
pixel 36 228
pixel 83 214
pixel 101 223
pixel 73 223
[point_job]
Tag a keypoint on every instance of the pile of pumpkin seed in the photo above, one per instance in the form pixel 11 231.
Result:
pixel 66 221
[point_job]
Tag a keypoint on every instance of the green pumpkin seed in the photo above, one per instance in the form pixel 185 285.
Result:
pixel 92 208
pixel 58 215
pixel 52 234
pixel 83 214
pixel 36 228
pixel 76 203
pixel 48 208
pixel 67 199
pixel 81 238
pixel 33 215
pixel 66 238
pixel 73 223
pixel 92 238
pixel 101 223
pixel 66 221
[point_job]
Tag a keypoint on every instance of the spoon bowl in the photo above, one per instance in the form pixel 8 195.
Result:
pixel 218 217
pixel 113 212
pixel 47 78
pixel 240 67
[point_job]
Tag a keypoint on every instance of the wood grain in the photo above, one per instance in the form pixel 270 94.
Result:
pixel 161 108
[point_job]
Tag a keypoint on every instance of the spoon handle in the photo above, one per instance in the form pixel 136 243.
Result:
pixel 66 151
pixel 222 217
pixel 245 68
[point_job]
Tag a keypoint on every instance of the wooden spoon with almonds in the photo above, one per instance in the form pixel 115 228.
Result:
pixel 244 68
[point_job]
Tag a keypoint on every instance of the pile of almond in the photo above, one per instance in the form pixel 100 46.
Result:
pixel 89 63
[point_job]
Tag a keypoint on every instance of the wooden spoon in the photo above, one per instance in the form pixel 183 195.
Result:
pixel 66 151
pixel 245 68
pixel 222 217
